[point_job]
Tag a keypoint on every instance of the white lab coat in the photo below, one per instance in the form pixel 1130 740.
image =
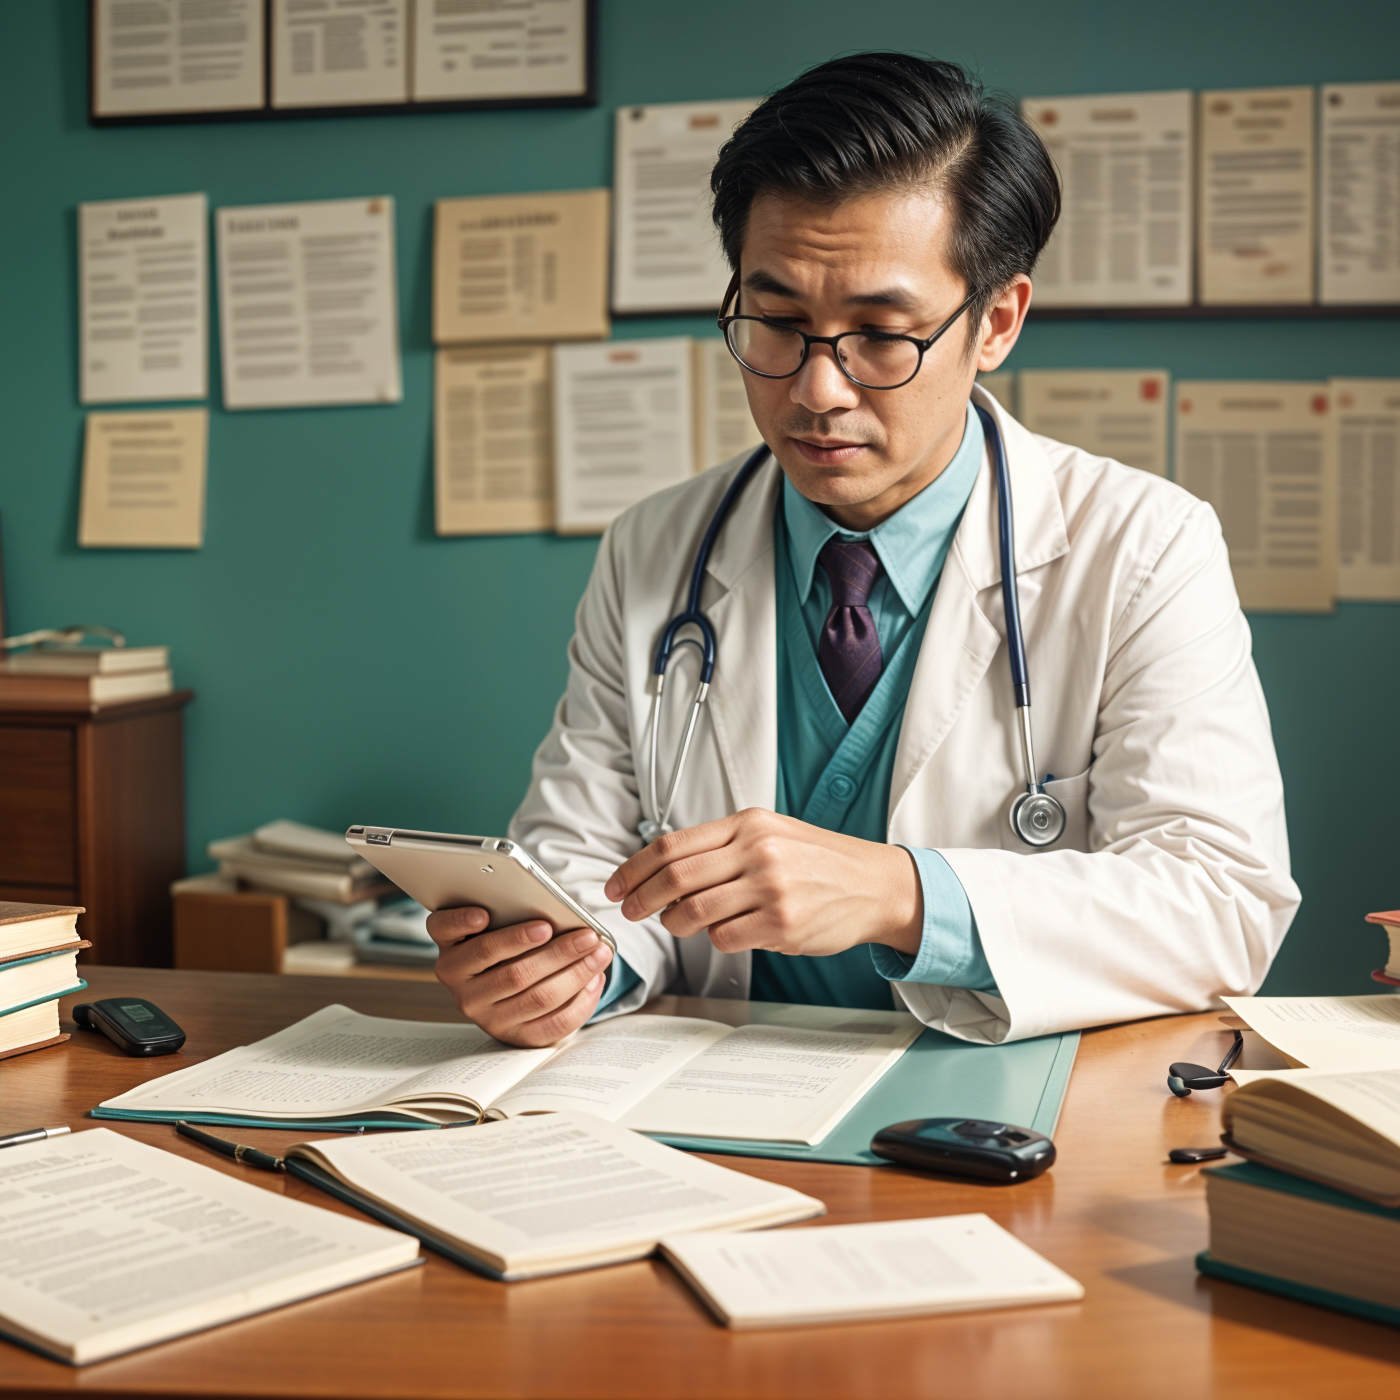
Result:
pixel 1170 886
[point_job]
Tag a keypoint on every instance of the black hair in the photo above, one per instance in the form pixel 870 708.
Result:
pixel 887 121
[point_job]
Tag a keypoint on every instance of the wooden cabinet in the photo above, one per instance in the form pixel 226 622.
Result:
pixel 92 812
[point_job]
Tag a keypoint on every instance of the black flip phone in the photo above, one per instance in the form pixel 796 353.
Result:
pixel 137 1026
pixel 967 1147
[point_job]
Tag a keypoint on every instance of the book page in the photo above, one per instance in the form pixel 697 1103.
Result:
pixel 335 53
pixel 1124 237
pixel 1112 413
pixel 157 57
pixel 308 304
pixel 607 1068
pixel 143 480
pixel 109 1244
pixel 521 267
pixel 1261 454
pixel 1366 437
pixel 143 278
pixel 1359 257
pixel 1256 197
pixel 1327 1033
pixel 666 253
pixel 724 427
pixel 622 427
pixel 493 440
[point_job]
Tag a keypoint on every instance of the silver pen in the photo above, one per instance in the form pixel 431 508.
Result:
pixel 33 1135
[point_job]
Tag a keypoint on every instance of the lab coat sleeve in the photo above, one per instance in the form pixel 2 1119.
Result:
pixel 1184 894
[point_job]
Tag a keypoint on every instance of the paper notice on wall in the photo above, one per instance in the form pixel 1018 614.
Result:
pixel 495 50
pixel 339 53
pixel 666 253
pixel 1119 413
pixel 1256 199
pixel 1261 454
pixel 622 427
pixel 1001 385
pixel 1124 236
pixel 143 279
pixel 176 56
pixel 724 427
pixel 1366 428
pixel 1360 217
pixel 308 304
pixel 521 267
pixel 493 440
pixel 143 480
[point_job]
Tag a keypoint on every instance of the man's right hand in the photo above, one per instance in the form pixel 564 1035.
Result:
pixel 517 983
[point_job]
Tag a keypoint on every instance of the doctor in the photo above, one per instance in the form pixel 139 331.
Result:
pixel 841 832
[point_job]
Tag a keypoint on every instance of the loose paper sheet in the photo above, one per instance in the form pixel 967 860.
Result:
pixel 165 56
pixel 1112 413
pixel 493 440
pixel 1001 385
pixel 1328 1033
pixel 622 427
pixel 143 480
pixel 487 50
pixel 1124 238
pixel 1256 199
pixel 666 253
pixel 1260 453
pixel 308 304
pixel 1360 255
pixel 339 52
pixel 144 286
pixel 521 267
pixel 724 426
pixel 1366 425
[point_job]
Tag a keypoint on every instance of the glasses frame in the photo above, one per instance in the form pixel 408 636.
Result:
pixel 922 345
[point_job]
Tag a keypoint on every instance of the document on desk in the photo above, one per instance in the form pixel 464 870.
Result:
pixel 1366 432
pixel 1124 236
pixel 308 304
pixel 1261 454
pixel 339 53
pixel 623 427
pixel 1359 259
pixel 1112 413
pixel 1256 198
pixel 1327 1033
pixel 666 253
pixel 143 480
pixel 521 267
pixel 143 282
pixel 724 426
pixel 493 440
pixel 107 1245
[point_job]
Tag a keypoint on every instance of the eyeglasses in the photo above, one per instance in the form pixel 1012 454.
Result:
pixel 869 359
pixel 1183 1076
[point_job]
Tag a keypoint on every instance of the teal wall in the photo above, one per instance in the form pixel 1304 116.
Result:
pixel 349 665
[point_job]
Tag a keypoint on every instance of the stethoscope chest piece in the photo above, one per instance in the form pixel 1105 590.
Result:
pixel 1037 818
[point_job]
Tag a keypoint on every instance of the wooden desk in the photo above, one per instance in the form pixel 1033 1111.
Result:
pixel 1112 1212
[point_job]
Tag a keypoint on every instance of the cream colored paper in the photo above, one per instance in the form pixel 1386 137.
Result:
pixel 1366 426
pixel 623 427
pixel 154 57
pixel 1256 199
pixel 339 52
pixel 485 50
pixel 1112 413
pixel 143 480
pixel 666 253
pixel 1325 1033
pixel 521 267
pixel 493 440
pixel 143 277
pixel 1124 238
pixel 1261 454
pixel 724 427
pixel 308 304
pixel 1001 385
pixel 1360 221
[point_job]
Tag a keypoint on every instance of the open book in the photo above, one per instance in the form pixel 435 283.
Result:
pixel 790 1079
pixel 1334 1033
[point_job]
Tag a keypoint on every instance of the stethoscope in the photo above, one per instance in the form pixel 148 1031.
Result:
pixel 1037 818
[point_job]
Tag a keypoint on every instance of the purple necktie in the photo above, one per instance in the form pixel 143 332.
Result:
pixel 849 654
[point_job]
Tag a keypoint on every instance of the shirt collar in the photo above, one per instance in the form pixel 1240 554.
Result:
pixel 912 544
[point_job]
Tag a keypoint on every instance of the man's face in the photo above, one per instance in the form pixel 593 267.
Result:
pixel 873 262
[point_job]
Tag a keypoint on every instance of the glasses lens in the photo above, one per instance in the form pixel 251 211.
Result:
pixel 880 361
pixel 765 347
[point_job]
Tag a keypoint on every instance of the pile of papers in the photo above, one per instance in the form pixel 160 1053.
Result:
pixel 286 857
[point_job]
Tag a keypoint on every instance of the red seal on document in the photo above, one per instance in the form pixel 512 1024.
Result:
pixel 1319 403
pixel 1149 389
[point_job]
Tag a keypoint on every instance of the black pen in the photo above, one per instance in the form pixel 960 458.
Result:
pixel 32 1135
pixel 236 1150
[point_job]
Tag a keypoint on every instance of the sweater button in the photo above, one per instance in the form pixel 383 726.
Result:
pixel 842 787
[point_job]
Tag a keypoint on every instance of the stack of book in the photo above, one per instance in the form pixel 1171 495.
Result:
pixel 1390 922
pixel 39 946
pixel 303 861
pixel 83 678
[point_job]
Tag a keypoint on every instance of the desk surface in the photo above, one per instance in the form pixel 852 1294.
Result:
pixel 1113 1213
